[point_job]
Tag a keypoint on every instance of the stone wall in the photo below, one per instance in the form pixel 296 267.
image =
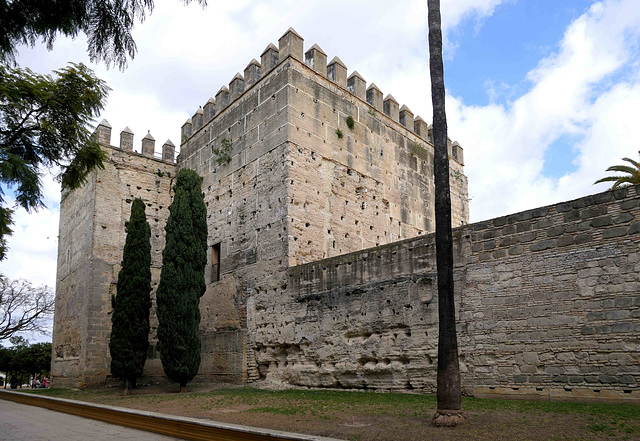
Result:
pixel 359 187
pixel 92 236
pixel 282 188
pixel 548 306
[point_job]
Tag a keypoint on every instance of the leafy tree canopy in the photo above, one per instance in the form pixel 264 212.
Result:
pixel 44 122
pixel 106 23
pixel 24 360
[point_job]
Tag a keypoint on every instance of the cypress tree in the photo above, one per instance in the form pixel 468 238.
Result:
pixel 182 280
pixel 130 319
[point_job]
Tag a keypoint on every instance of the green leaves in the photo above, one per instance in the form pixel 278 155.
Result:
pixel 632 171
pixel 45 122
pixel 182 279
pixel 223 153
pixel 130 319
pixel 107 24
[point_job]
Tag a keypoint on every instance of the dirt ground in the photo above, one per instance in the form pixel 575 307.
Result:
pixel 370 416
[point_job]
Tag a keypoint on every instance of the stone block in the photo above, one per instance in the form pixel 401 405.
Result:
pixel 406 117
pixel 572 215
pixel 524 226
pixel 564 207
pixel 148 145
pixel 269 59
pixel 374 97
pixel 583 238
pixel 629 205
pixel 252 73
pixel 607 379
pixel 516 250
pixel 103 133
pixel 610 233
pixel 621 193
pixel 126 139
pixel 209 110
pixel 489 244
pixel 623 218
pixel 590 212
pixel 222 99
pixel 168 151
pixel 390 107
pixel 186 131
pixel 621 327
pixel 357 85
pixel 602 221
pixel 316 59
pixel 542 245
pixel 236 87
pixel 524 216
pixel 337 72
pixel 555 231
pixel 198 119
pixel 564 241
pixel 291 45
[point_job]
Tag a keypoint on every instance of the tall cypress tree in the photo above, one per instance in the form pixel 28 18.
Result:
pixel 182 280
pixel 130 319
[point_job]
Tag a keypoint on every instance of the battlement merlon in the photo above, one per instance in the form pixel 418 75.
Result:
pixel 102 134
pixel 337 72
pixel 290 45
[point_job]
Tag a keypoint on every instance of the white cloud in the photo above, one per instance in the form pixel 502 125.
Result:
pixel 573 92
pixel 33 247
pixel 186 54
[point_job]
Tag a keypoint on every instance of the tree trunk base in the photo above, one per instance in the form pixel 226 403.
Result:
pixel 449 418
pixel 183 389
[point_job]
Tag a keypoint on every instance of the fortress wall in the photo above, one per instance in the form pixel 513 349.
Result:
pixel 266 197
pixel 74 266
pixel 376 178
pixel 547 300
pixel 92 232
pixel 360 187
pixel 246 207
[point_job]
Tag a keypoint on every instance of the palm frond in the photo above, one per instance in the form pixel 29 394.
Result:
pixel 623 181
pixel 632 176
pixel 622 169
pixel 608 179
pixel 636 164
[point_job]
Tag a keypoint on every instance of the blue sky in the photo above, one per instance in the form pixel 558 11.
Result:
pixel 498 51
pixel 542 95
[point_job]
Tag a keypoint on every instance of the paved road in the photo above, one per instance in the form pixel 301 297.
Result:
pixel 19 422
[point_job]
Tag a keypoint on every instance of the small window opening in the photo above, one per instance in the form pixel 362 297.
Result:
pixel 215 262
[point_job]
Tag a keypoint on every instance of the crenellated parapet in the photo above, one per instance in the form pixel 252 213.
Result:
pixel 291 45
pixel 103 135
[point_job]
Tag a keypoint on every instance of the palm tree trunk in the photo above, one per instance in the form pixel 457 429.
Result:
pixel 449 410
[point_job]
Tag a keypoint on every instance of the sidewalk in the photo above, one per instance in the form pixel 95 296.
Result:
pixel 19 422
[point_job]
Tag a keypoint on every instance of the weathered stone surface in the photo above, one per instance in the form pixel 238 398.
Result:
pixel 324 269
pixel 92 236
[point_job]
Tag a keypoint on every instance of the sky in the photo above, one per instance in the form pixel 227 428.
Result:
pixel 541 94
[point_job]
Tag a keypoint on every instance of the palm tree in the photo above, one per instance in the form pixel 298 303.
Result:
pixel 449 409
pixel 633 177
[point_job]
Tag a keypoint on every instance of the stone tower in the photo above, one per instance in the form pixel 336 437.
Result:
pixel 301 162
